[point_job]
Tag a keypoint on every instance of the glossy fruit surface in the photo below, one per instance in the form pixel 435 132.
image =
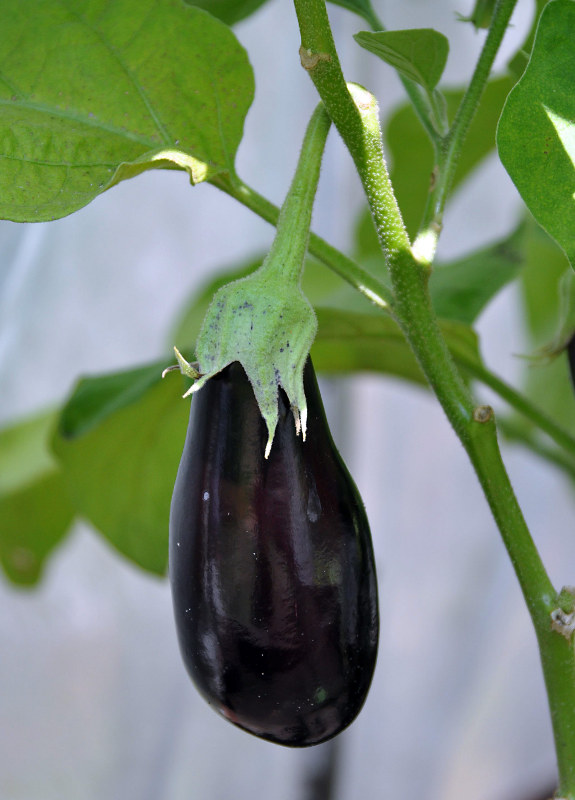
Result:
pixel 271 567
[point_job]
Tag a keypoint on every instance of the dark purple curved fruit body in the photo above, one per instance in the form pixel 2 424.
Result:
pixel 272 569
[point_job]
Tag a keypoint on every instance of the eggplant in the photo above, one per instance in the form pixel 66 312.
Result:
pixel 271 567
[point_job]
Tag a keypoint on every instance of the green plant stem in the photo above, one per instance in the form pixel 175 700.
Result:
pixel 475 426
pixel 450 146
pixel 287 253
pixel 374 289
pixel 520 403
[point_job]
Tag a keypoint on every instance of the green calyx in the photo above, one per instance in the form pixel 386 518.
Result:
pixel 264 321
pixel 269 327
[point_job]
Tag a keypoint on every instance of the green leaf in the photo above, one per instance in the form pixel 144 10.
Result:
pixel 361 7
pixel 33 521
pixel 536 133
pixel 546 382
pixel 348 341
pixel 481 15
pixel 540 287
pixel 120 474
pixel 419 54
pixel 35 513
pixel 24 453
pixel 519 61
pixel 95 93
pixel 462 288
pixel 96 398
pixel 411 152
pixel 229 11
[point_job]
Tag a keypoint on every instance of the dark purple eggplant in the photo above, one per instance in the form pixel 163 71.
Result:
pixel 271 566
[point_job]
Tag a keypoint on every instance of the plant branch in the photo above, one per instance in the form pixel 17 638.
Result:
pixel 450 147
pixel 409 271
pixel 519 402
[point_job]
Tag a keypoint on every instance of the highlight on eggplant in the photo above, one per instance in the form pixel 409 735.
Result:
pixel 271 568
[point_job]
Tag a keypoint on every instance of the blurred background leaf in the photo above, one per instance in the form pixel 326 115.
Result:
pixel 229 11
pixel 120 474
pixel 536 133
pixel 35 513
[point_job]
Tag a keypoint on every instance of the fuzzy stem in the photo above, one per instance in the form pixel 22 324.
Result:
pixel 288 249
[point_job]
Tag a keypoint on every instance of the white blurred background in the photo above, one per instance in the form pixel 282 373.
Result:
pixel 94 701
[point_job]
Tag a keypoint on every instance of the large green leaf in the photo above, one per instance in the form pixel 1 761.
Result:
pixel 120 474
pixel 24 455
pixel 461 289
pixel 92 93
pixel 536 133
pixel 419 54
pixel 33 521
pixel 546 381
pixel 361 7
pixel 96 398
pixel 229 11
pixel 35 513
pixel 411 152
pixel 349 341
pixel 519 60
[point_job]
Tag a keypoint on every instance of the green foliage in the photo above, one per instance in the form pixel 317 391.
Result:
pixel 462 288
pixel 361 7
pixel 349 341
pixel 120 474
pixel 519 60
pixel 481 15
pixel 97 94
pixel 229 11
pixel 419 54
pixel 546 379
pixel 94 399
pixel 35 513
pixel 536 134
pixel 412 154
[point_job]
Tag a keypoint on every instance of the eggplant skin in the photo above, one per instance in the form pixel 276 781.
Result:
pixel 271 568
